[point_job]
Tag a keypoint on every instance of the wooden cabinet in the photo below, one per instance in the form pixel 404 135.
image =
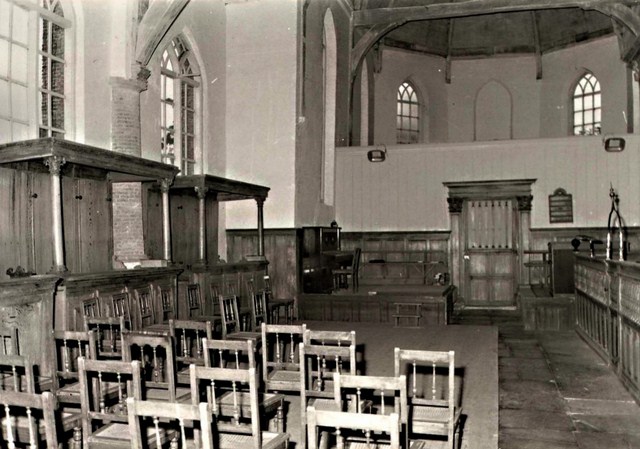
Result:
pixel 314 265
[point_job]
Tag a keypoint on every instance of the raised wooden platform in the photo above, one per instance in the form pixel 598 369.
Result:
pixel 544 312
pixel 377 304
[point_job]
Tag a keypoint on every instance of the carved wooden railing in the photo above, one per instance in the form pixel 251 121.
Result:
pixel 608 314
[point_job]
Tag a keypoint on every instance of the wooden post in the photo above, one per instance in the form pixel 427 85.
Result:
pixel 260 202
pixel 55 164
pixel 455 247
pixel 202 217
pixel 166 219
pixel 524 211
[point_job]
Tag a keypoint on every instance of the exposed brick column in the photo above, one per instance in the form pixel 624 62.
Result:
pixel 128 235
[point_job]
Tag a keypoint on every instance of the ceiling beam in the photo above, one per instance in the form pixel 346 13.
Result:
pixel 536 42
pixel 377 16
pixel 626 24
pixel 365 43
pixel 154 25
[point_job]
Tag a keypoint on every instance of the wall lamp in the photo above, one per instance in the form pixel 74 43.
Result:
pixel 379 154
pixel 613 144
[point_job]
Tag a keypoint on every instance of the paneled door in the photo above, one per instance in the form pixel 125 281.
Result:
pixel 490 254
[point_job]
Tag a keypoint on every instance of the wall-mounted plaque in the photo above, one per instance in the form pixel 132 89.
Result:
pixel 560 207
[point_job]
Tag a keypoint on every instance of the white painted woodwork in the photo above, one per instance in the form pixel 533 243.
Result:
pixel 405 192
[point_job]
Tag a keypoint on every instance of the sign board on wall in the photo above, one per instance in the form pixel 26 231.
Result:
pixel 560 206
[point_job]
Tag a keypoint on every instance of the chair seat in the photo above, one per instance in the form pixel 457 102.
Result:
pixel 245 335
pixel 268 402
pixel 270 440
pixel 70 393
pixel 284 376
pixel 118 435
pixel 160 394
pixel 426 419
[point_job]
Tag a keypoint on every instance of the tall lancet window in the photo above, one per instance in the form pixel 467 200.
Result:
pixel 587 109
pixel 51 61
pixel 32 69
pixel 408 114
pixel 180 93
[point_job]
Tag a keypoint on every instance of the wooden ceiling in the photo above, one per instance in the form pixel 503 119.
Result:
pixel 485 34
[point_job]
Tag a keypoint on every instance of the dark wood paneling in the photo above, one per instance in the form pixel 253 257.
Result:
pixel 399 257
pixel 281 250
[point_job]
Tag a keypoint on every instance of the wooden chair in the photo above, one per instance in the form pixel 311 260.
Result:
pixel 9 341
pixel 277 306
pixel 34 413
pixel 341 275
pixel 187 337
pixel 16 374
pixel 434 410
pixel 184 425
pixel 155 352
pixel 258 306
pixel 231 328
pixel 241 355
pixel 374 394
pixel 353 430
pixel 280 356
pixel 194 303
pixel 104 385
pixel 144 307
pixel 168 304
pixel 108 335
pixel 91 306
pixel 69 346
pixel 119 306
pixel 318 363
pixel 232 434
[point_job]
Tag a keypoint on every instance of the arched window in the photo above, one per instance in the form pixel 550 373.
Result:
pixel 408 115
pixel 587 110
pixel 179 103
pixel 32 70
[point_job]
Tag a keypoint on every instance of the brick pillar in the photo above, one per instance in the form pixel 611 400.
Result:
pixel 128 235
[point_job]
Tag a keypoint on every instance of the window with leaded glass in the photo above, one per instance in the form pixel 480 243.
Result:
pixel 587 109
pixel 32 69
pixel 408 115
pixel 179 94
pixel 51 61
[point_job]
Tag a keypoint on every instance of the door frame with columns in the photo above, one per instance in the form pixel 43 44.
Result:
pixel 518 190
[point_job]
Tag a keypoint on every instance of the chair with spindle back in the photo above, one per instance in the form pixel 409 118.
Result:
pixel 280 356
pixel 187 337
pixel 374 394
pixel 155 352
pixel 318 363
pixel 167 303
pixel 258 300
pixel 27 417
pixel 242 408
pixel 108 335
pixel 69 346
pixel 276 306
pixel 184 425
pixel 119 306
pixel 236 354
pixel 143 299
pixel 16 374
pixel 231 329
pixel 434 409
pixel 104 386
pixel 353 430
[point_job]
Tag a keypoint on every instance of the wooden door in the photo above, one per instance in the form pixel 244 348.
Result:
pixel 490 252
